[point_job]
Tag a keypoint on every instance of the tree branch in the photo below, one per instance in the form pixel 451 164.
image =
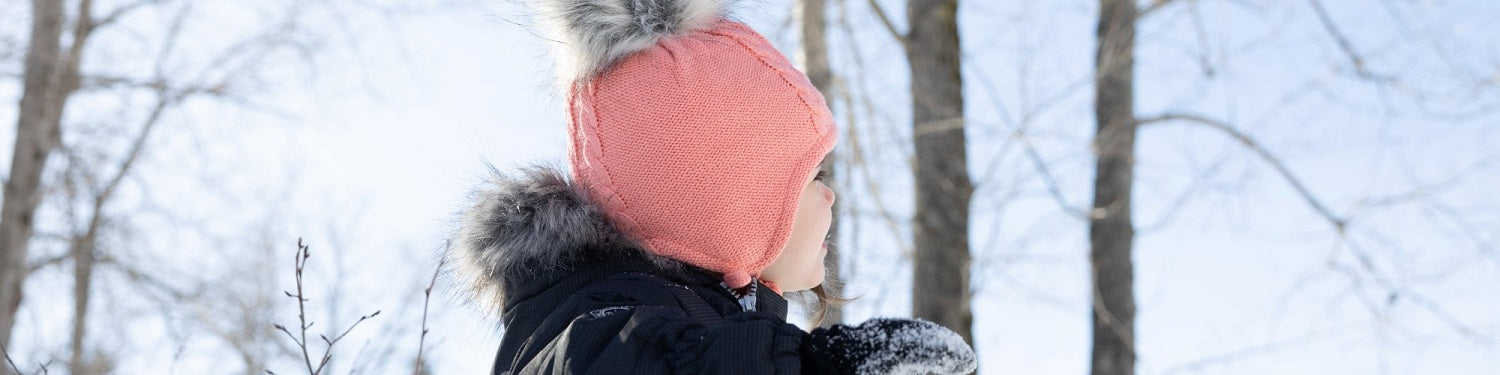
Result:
pixel 1181 200
pixel 1238 354
pixel 82 30
pixel 1051 182
pixel 164 100
pixel 302 324
pixel 159 85
pixel 1422 191
pixel 1480 243
pixel 147 278
pixel 1343 41
pixel 1339 223
pixel 858 162
pixel 120 12
pixel 426 298
pixel 889 26
pixel 1155 6
pixel 44 263
pixel 328 352
pixel 327 356
pixel 6 352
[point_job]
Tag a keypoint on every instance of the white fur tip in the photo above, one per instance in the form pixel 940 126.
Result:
pixel 592 35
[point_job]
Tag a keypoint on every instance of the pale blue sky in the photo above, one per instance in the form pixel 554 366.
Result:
pixel 372 160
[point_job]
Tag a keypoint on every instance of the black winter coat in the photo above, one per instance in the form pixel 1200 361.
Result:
pixel 576 297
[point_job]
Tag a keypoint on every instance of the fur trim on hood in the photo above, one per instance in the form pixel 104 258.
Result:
pixel 532 228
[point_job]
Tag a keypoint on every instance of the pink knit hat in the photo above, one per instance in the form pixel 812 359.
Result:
pixel 691 131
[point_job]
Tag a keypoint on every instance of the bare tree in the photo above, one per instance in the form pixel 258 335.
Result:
pixel 1111 232
pixel 50 77
pixel 82 175
pixel 100 156
pixel 941 289
pixel 95 182
pixel 1374 282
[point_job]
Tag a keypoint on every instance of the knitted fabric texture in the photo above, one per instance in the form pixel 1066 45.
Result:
pixel 699 147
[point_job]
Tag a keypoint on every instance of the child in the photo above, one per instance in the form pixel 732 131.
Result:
pixel 692 203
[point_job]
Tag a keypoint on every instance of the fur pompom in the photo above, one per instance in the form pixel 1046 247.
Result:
pixel 594 34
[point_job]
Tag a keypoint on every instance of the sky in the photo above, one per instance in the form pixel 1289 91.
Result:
pixel 370 158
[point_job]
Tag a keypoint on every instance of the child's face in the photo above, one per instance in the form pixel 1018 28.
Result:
pixel 800 266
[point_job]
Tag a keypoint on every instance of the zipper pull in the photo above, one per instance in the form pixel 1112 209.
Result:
pixel 745 298
pixel 747 301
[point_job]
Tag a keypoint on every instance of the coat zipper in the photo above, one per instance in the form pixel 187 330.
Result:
pixel 746 298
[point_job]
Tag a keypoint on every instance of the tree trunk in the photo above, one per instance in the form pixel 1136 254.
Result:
pixel 83 277
pixel 1111 232
pixel 814 57
pixel 941 279
pixel 37 134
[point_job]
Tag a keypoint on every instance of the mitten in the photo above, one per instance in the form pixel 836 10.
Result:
pixel 887 346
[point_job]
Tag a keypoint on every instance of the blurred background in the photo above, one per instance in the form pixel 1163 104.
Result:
pixel 1077 186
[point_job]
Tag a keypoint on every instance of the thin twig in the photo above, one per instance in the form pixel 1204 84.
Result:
pixel 426 298
pixel 1343 41
pixel 1312 200
pixel 301 264
pixel 1182 198
pixel 288 333
pixel 889 26
pixel 328 352
pixel 123 10
pixel 6 352
pixel 300 260
pixel 351 328
pixel 139 276
pixel 1155 6
pixel 1340 224
pixel 1238 354
pixel 1202 37
pixel 1051 182
pixel 44 263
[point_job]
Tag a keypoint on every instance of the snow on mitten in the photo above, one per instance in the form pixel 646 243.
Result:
pixel 888 346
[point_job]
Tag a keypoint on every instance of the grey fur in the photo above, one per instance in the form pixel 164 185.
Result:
pixel 516 226
pixel 530 226
pixel 595 34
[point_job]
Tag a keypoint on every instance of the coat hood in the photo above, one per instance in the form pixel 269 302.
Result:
pixel 521 232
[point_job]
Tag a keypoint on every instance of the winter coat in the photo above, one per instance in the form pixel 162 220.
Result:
pixel 576 297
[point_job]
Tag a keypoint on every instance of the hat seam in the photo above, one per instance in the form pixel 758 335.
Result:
pixel 805 99
pixel 780 73
pixel 630 223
